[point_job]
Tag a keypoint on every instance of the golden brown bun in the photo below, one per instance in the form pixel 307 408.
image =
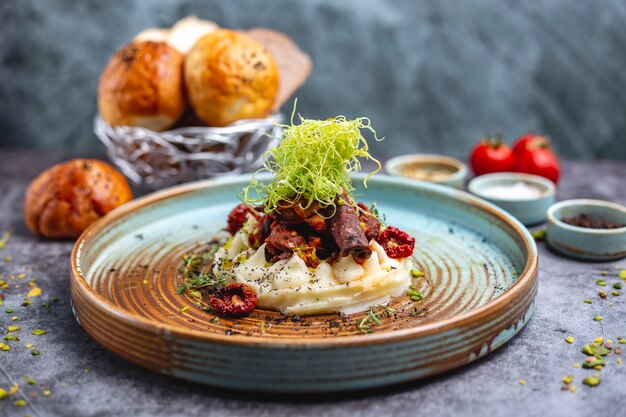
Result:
pixel 294 65
pixel 142 85
pixel 229 77
pixel 66 198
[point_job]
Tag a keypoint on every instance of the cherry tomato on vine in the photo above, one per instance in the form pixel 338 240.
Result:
pixel 534 155
pixel 491 155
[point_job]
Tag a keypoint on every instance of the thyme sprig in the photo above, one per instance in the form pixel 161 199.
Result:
pixel 372 319
pixel 193 276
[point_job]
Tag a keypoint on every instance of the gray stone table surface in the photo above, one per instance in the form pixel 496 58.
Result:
pixel 86 380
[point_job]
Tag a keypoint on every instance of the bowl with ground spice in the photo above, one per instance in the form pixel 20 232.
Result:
pixel 438 169
pixel 593 230
pixel 525 196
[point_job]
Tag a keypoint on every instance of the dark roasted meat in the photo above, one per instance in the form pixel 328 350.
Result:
pixel 346 230
pixel 283 238
pixel 369 223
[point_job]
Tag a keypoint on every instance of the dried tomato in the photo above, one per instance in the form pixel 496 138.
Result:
pixel 238 216
pixel 397 244
pixel 233 300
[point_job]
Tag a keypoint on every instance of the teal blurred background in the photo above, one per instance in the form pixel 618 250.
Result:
pixel 433 76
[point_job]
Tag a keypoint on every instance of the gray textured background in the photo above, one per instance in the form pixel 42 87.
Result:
pixel 432 76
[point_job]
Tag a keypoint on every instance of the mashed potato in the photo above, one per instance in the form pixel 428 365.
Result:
pixel 293 288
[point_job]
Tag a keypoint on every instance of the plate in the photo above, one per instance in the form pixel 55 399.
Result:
pixel 479 287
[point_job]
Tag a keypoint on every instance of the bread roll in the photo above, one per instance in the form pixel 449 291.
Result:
pixel 182 36
pixel 66 198
pixel 294 65
pixel 142 85
pixel 230 77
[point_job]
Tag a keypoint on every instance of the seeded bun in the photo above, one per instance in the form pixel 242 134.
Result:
pixel 294 65
pixel 229 77
pixel 66 198
pixel 142 85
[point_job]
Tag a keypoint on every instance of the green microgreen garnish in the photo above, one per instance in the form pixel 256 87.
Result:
pixel 312 163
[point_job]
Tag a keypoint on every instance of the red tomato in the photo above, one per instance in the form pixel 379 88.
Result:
pixel 533 155
pixel 491 156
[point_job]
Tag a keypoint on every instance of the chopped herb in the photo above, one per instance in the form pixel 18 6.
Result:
pixel 522 382
pixel 604 273
pixel 366 325
pixel 13 328
pixel 47 393
pixel 592 381
pixel 35 352
pixel 183 309
pixel 594 349
pixel 38 332
pixel 380 216
pixel 539 235
pixel 389 311
pixel 3 393
pixel 569 339
pixel 617 285
pixel 598 318
pixel 4 347
pixel 29 380
pixel 568 379
pixel 594 364
pixel 416 273
pixel 601 282
pixel 5 239
pixel 414 294
pixel 616 293
pixel 193 277
pixel 35 292
pixel 20 403
pixel 622 274
pixel 9 310
pixel 206 281
pixel 587 301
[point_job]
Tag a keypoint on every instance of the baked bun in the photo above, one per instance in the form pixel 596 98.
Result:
pixel 229 77
pixel 142 85
pixel 66 198
pixel 293 64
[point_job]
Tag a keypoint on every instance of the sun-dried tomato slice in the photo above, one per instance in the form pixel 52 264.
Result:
pixel 233 300
pixel 397 244
pixel 238 216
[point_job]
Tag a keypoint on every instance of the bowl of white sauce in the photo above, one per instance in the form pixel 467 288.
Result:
pixel 525 196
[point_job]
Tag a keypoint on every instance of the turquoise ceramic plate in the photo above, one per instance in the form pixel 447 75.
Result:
pixel 479 287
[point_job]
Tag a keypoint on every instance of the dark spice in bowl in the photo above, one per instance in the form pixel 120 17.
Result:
pixel 590 222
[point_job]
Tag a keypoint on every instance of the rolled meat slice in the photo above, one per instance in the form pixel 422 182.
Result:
pixel 346 230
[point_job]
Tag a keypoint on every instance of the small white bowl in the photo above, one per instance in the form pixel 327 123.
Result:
pixel 429 163
pixel 530 211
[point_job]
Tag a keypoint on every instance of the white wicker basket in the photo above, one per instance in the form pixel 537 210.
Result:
pixel 154 160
